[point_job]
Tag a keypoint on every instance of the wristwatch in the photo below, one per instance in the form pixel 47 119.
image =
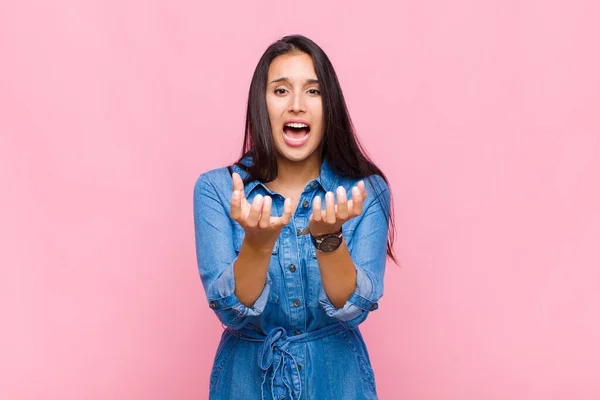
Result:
pixel 327 242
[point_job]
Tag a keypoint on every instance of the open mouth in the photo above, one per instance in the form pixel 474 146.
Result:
pixel 296 133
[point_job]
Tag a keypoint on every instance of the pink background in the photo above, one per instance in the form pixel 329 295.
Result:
pixel 484 114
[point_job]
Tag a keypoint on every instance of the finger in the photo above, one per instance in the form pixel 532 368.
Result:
pixel 238 183
pixel 363 191
pixel 342 205
pixel 357 201
pixel 265 216
pixel 254 214
pixel 235 210
pixel 287 212
pixel 329 208
pixel 316 208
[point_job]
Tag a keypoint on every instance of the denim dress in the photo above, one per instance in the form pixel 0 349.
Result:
pixel 292 343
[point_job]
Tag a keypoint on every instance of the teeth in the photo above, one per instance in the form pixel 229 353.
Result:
pixel 296 125
pixel 295 140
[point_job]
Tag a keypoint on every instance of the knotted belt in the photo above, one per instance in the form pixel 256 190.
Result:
pixel 280 373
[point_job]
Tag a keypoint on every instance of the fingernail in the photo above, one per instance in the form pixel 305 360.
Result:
pixel 236 195
pixel 340 190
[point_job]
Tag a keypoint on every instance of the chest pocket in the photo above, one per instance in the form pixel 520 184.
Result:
pixel 315 284
pixel 273 275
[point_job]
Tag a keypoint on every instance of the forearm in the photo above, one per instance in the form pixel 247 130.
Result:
pixel 338 274
pixel 250 273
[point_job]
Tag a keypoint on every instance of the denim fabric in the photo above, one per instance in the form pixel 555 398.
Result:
pixel 292 343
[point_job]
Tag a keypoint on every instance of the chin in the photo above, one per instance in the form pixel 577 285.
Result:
pixel 295 155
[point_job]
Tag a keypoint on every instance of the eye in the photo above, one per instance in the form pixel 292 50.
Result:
pixel 280 91
pixel 314 91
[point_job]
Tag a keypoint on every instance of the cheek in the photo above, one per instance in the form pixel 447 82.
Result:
pixel 273 106
pixel 270 110
pixel 317 114
pixel 316 110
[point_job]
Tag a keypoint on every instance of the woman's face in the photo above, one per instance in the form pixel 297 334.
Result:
pixel 295 107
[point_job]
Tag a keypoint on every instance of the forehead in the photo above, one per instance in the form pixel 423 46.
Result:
pixel 295 66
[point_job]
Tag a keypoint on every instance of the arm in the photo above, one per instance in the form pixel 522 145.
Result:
pixel 250 271
pixel 220 266
pixel 236 285
pixel 353 279
pixel 338 274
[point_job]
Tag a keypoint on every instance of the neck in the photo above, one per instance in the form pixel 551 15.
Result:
pixel 295 174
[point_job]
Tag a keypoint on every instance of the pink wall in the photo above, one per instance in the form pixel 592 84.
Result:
pixel 485 115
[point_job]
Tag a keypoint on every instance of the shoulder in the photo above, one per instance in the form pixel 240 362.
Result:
pixel 375 186
pixel 378 195
pixel 215 176
pixel 217 179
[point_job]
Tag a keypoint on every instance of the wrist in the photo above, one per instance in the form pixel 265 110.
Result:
pixel 322 234
pixel 258 249
pixel 328 242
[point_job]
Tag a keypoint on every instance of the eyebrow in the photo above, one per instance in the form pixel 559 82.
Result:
pixel 285 78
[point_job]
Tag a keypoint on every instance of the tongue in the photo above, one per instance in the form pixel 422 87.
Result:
pixel 295 133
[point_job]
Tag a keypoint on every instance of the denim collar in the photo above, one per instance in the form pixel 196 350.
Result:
pixel 327 177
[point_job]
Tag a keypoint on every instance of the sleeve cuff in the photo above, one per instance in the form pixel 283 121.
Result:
pixel 222 296
pixel 358 302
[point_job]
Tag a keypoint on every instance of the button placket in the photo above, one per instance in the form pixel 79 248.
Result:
pixel 293 281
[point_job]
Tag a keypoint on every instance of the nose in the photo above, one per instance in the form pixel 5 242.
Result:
pixel 297 103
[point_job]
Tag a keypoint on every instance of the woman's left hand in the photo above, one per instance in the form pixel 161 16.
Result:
pixel 331 219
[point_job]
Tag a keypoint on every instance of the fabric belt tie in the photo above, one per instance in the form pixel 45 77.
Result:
pixel 280 374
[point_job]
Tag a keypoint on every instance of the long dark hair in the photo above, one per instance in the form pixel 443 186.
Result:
pixel 340 145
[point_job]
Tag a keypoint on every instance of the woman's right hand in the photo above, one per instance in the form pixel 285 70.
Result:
pixel 262 230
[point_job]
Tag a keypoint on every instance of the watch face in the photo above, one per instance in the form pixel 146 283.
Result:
pixel 330 244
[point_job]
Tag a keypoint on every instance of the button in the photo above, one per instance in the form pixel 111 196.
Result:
pixel 296 303
pixel 305 204
pixel 293 268
pixel 313 184
pixel 299 367
pixel 297 333
pixel 212 305
pixel 374 307
pixel 298 232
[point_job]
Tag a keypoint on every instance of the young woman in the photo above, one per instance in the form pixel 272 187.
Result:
pixel 292 239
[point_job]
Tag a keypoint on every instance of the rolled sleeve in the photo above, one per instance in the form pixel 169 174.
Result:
pixel 359 303
pixel 222 297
